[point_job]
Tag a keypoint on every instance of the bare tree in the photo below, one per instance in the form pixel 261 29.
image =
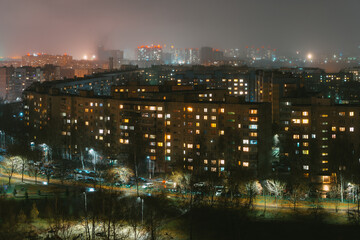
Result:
pixel 11 165
pixel 299 191
pixel 275 187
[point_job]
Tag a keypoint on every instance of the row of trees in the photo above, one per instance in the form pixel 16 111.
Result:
pixel 105 214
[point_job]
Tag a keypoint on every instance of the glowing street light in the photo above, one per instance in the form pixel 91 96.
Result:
pixel 309 56
pixel 93 153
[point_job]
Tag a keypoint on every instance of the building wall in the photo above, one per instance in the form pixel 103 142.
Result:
pixel 206 136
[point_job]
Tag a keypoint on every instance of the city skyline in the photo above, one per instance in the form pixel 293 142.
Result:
pixel 78 27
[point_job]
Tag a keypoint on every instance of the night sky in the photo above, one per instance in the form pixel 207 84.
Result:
pixel 77 26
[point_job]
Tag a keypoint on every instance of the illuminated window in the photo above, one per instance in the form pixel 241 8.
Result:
pixel 239 125
pixel 205 161
pixel 190 145
pixel 87 123
pixel 342 129
pixel 239 148
pixel 205 117
pixel 305 113
pixel 333 129
pixel 205 109
pixel 305 136
pixel 306 167
pixel 351 114
pixel 159 108
pixel 295 120
pixel 324 115
pixel 305 144
pixel 246 164
pixel 246 149
pixel 222 132
pixel 333 136
pixel 213 169
pixel 246 141
pixel 253 111
pixel 222 162
pixel 305 152
pixel 324 162
pixel 253 126
pixel 159 115
pixel 197 116
pixel 197 131
pixel 222 110
pixel 213 125
pixel 160 144
pixel 253 119
pixel 324 154
pixel 253 134
pixel 168 137
pixel 168 123
pixel 126 120
pixel 296 136
pixel 351 129
pixel 213 118
pixel 342 114
pixel 189 109
pixel 197 124
pixel 213 110
pixel 305 121
pixel 121 106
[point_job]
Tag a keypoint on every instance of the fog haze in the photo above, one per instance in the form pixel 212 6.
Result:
pixel 77 26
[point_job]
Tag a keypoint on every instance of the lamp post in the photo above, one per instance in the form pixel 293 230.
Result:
pixel 139 199
pixel 86 219
pixel 93 153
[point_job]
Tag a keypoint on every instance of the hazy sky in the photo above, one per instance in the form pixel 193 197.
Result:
pixel 77 26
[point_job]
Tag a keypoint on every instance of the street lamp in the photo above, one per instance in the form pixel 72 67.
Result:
pixel 93 153
pixel 139 199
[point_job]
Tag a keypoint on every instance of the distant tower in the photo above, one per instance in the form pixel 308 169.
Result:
pixel 101 54
pixel 206 55
pixel 111 63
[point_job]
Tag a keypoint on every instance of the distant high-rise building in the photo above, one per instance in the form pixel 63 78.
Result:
pixel 209 56
pixel 39 60
pixel 104 54
pixel 149 53
pixel 233 53
pixel 21 78
pixel 5 76
pixel 192 56
pixel 206 55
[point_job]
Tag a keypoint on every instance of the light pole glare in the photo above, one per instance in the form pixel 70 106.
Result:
pixel 309 56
